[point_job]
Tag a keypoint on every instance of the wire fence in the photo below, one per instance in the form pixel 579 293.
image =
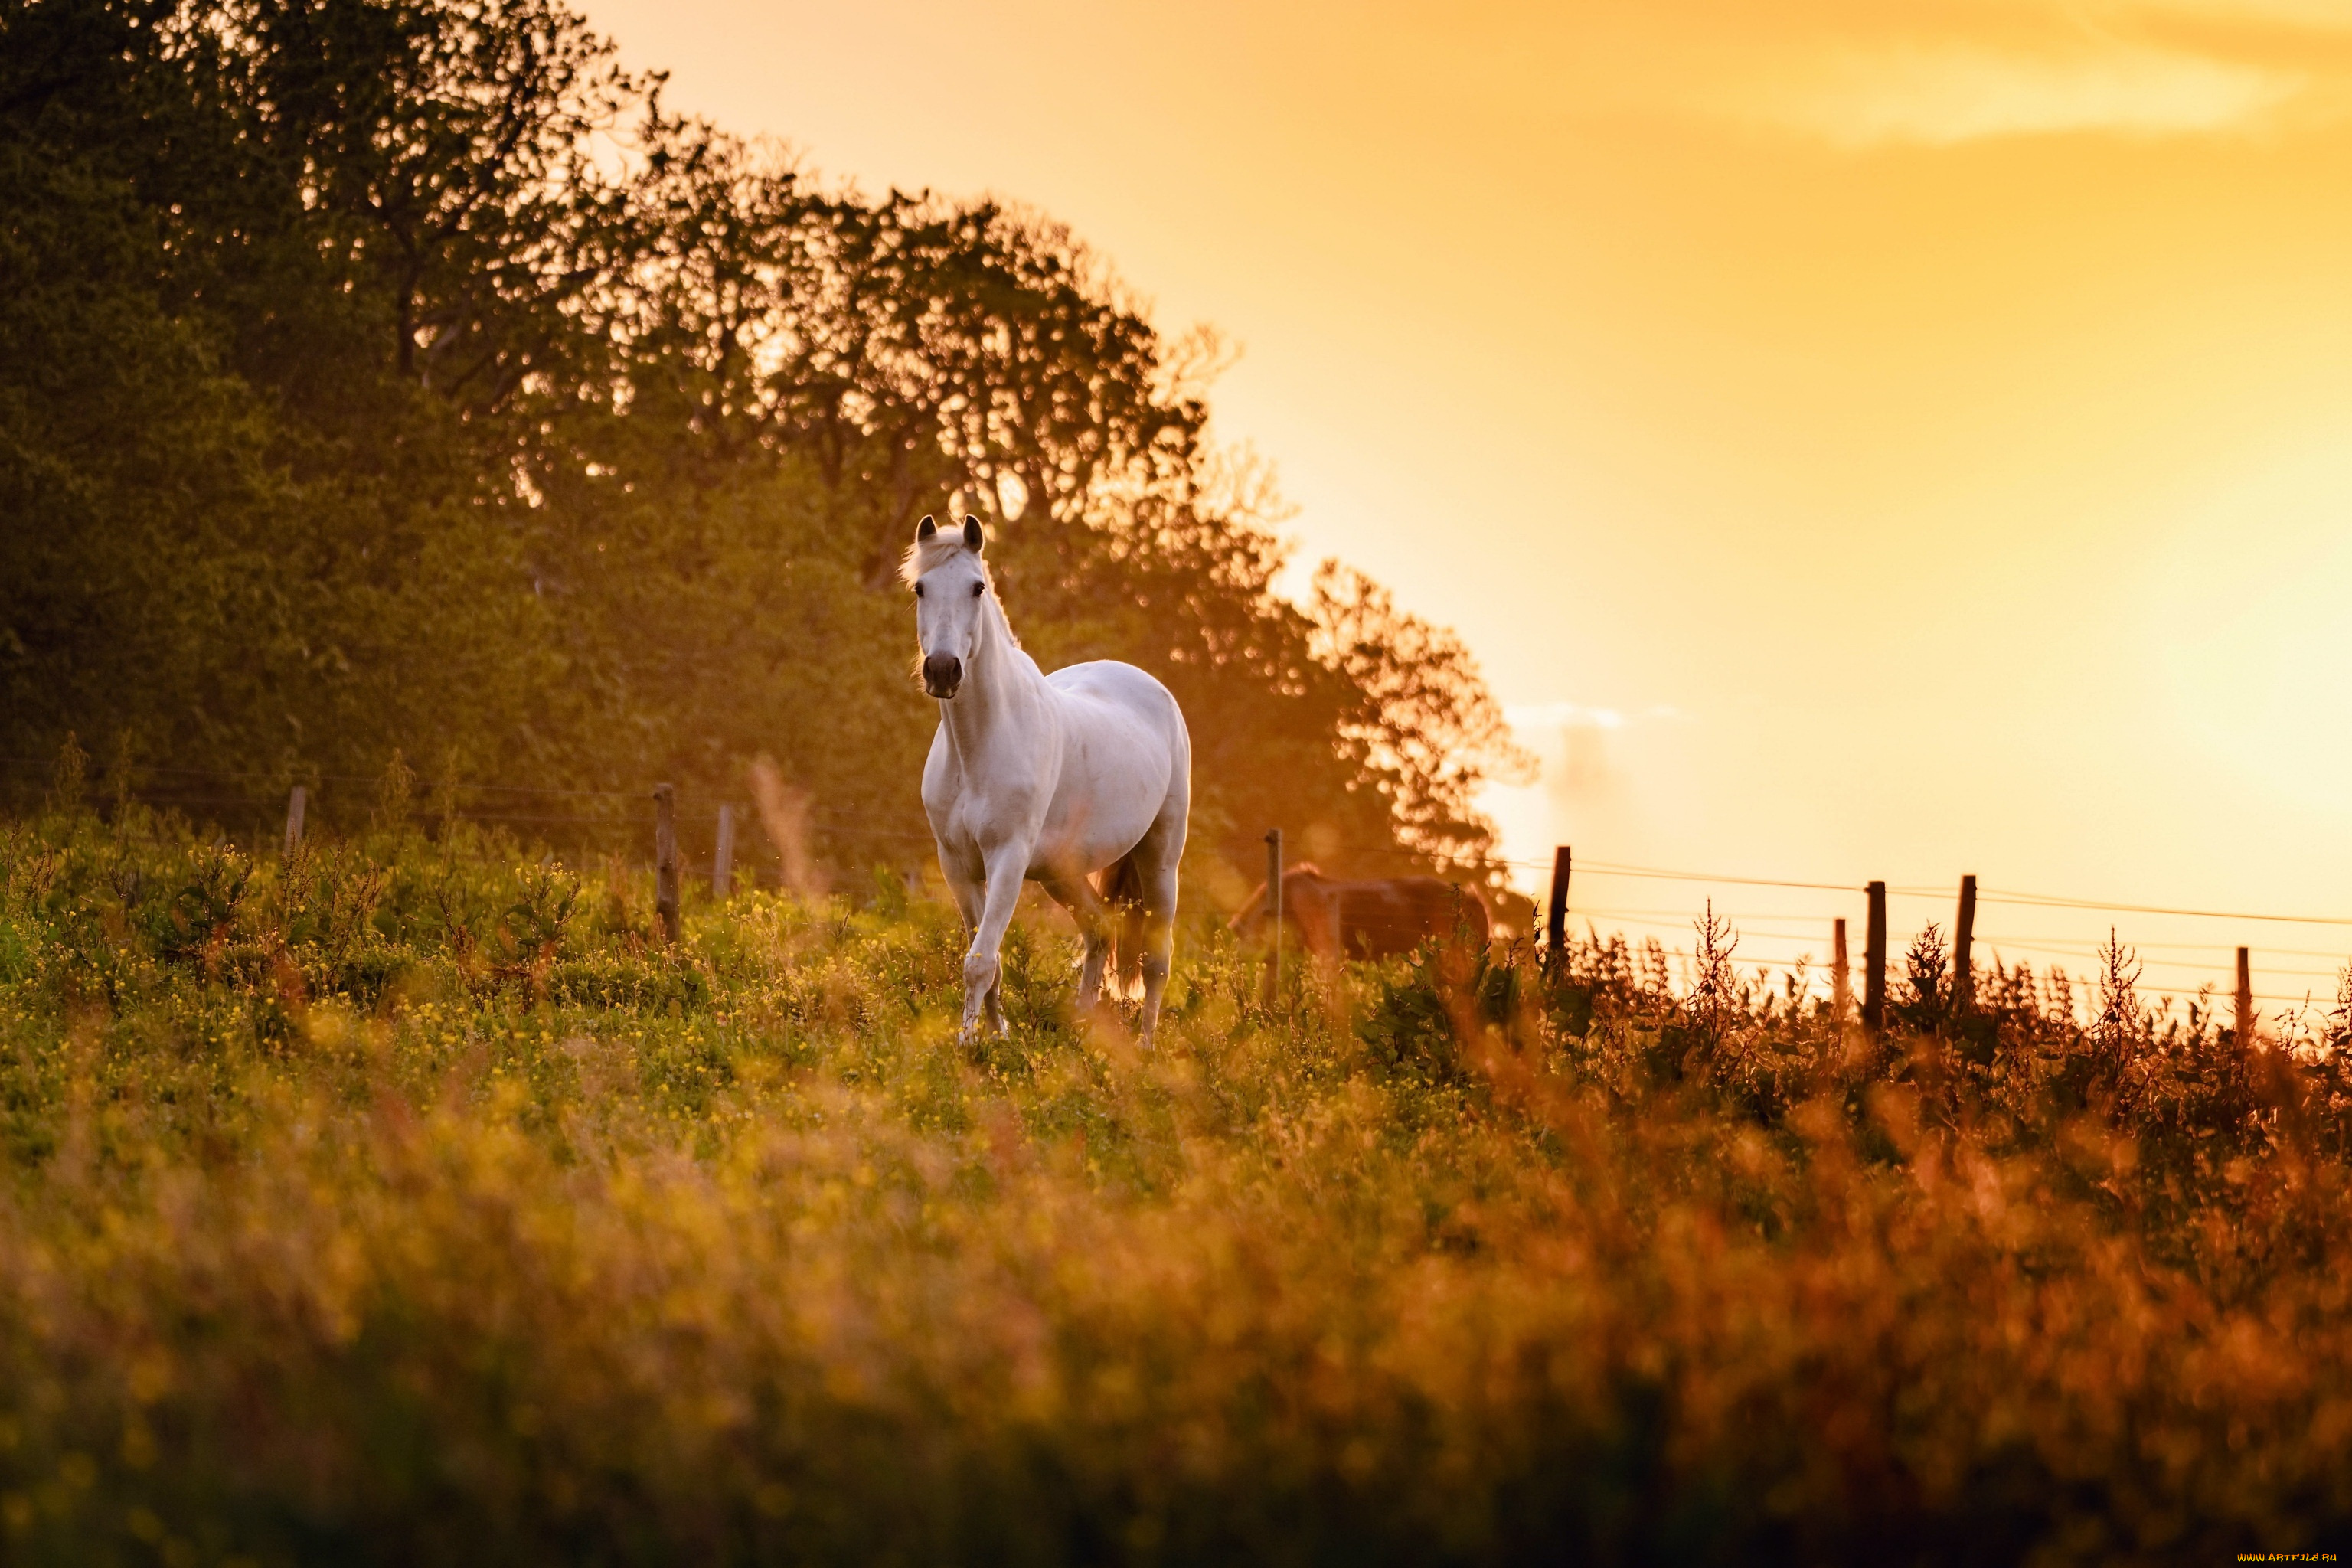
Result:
pixel 1786 942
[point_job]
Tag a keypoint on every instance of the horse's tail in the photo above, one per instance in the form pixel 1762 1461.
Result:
pixel 1119 885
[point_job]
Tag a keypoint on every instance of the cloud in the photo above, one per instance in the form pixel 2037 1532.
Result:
pixel 2320 15
pixel 1939 95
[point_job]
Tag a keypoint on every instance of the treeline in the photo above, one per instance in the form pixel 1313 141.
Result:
pixel 402 376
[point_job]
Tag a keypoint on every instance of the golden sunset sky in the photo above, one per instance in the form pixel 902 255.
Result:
pixel 1860 438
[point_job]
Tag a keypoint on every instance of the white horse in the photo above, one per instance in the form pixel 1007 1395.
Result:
pixel 1045 777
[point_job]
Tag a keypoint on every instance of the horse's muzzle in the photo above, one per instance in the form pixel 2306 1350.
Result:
pixel 942 673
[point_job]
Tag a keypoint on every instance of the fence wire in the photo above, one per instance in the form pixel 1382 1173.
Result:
pixel 1752 925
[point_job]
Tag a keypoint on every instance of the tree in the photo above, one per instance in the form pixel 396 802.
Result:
pixel 388 375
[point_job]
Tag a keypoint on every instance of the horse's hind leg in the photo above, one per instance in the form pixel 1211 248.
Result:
pixel 1156 861
pixel 1134 942
pixel 1090 972
pixel 1076 894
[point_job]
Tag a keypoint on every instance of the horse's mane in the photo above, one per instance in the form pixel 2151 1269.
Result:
pixel 925 553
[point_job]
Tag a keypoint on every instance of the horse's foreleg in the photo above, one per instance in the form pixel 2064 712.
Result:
pixel 983 970
pixel 971 894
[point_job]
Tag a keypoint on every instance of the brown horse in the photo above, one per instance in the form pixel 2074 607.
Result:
pixel 1374 918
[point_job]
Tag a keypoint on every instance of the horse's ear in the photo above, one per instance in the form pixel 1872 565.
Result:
pixel 925 529
pixel 972 534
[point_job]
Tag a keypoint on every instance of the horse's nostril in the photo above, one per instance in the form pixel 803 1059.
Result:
pixel 942 673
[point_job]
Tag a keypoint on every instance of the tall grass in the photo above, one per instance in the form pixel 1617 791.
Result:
pixel 405 1201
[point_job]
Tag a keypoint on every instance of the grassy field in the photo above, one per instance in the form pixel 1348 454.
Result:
pixel 407 1203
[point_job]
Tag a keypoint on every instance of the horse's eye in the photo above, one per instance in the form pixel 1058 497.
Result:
pixel 975 590
pixel 919 590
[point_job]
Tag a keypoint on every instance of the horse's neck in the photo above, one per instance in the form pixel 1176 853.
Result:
pixel 1000 689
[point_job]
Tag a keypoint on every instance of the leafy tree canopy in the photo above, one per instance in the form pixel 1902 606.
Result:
pixel 400 377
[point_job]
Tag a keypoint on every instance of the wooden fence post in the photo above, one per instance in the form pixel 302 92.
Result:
pixel 1841 978
pixel 1556 917
pixel 665 859
pixel 722 860
pixel 2247 1027
pixel 1964 933
pixel 1274 909
pixel 296 801
pixel 1874 962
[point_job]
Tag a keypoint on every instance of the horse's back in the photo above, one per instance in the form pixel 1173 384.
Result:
pixel 1120 703
pixel 1120 687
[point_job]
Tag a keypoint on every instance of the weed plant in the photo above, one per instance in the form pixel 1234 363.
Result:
pixel 407 1201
